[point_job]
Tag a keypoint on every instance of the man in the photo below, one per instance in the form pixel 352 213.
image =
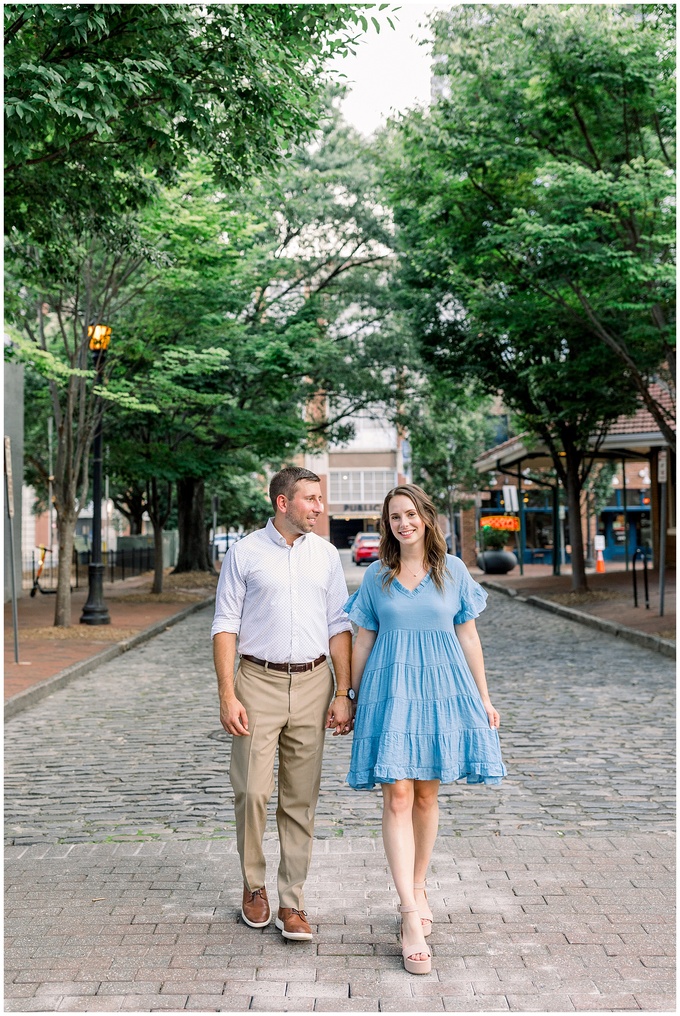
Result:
pixel 281 591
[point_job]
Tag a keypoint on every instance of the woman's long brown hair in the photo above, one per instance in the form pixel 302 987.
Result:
pixel 389 551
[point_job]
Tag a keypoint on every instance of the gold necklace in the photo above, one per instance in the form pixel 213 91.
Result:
pixel 415 574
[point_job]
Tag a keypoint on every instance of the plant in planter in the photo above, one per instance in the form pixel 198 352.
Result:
pixel 493 558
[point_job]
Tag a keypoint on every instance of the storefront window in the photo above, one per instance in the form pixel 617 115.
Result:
pixel 539 530
pixel 619 529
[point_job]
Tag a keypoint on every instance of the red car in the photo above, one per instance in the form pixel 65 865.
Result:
pixel 365 548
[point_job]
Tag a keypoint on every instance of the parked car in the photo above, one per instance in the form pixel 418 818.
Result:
pixel 223 542
pixel 365 548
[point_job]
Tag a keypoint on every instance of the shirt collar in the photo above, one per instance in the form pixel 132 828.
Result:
pixel 275 536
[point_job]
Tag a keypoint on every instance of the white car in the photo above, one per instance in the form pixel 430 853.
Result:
pixel 223 541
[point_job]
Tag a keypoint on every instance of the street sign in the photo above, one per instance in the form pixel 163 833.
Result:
pixel 507 522
pixel 510 498
pixel 662 468
pixel 599 543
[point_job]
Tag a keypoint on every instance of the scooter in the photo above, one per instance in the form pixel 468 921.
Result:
pixel 36 588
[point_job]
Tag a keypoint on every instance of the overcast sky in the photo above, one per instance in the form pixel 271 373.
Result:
pixel 391 71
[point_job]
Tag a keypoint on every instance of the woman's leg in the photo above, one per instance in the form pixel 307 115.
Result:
pixel 425 828
pixel 400 849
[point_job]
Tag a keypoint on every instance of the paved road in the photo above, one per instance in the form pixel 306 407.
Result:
pixel 135 749
pixel 552 893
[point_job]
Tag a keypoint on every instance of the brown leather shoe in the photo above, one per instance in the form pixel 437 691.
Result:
pixel 255 907
pixel 292 924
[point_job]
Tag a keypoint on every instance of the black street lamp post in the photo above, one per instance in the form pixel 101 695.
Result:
pixel 95 610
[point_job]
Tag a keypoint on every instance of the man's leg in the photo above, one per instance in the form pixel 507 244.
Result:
pixel 300 756
pixel 265 697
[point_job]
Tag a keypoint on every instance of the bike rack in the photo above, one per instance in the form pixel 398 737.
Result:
pixel 644 554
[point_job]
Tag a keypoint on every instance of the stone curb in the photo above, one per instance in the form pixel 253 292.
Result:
pixel 25 699
pixel 654 642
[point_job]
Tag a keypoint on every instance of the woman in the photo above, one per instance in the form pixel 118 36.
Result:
pixel 423 712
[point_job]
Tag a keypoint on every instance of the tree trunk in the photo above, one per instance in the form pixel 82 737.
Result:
pixel 452 523
pixel 159 516
pixel 132 505
pixel 66 527
pixel 193 549
pixel 579 582
pixel 136 523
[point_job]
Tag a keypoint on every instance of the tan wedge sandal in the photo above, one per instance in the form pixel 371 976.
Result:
pixel 425 919
pixel 410 949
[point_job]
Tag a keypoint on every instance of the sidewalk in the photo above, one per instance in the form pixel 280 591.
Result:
pixel 533 923
pixel 50 657
pixel 610 597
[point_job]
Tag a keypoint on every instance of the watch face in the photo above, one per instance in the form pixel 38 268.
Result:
pixel 351 695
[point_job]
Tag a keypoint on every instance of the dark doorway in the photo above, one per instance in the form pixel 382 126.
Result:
pixel 343 531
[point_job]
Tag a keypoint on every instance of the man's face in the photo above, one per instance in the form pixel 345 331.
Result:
pixel 303 508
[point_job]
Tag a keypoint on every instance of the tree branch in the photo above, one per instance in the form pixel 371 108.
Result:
pixel 586 135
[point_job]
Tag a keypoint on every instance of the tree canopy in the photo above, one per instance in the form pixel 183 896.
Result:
pixel 101 100
pixel 534 214
pixel 547 166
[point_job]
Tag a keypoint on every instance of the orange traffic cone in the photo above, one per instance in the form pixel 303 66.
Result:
pixel 599 564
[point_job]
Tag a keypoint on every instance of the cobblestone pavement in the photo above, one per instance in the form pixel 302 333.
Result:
pixel 551 893
pixel 522 923
pixel 136 748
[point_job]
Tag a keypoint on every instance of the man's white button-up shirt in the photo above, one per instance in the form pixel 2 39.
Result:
pixel 284 602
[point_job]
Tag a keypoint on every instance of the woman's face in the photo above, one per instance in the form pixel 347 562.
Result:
pixel 406 524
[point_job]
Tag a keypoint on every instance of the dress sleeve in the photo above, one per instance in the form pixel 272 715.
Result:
pixel 360 606
pixel 472 598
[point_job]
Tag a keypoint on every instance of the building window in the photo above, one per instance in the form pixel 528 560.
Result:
pixel 361 486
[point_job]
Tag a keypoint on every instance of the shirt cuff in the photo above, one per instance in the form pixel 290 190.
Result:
pixel 337 628
pixel 230 627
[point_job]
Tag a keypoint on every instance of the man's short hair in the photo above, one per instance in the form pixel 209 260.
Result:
pixel 285 481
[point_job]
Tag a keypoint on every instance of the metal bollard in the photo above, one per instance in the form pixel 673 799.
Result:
pixel 642 551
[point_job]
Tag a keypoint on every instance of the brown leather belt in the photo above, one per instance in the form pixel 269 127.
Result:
pixel 286 668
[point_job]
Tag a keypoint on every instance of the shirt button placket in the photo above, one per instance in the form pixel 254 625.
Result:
pixel 294 607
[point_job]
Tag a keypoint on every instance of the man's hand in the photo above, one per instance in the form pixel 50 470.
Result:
pixel 233 717
pixel 340 715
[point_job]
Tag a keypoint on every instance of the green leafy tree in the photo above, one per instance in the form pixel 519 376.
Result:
pixel 104 98
pixel 506 153
pixel 107 100
pixel 241 495
pixel 148 452
pixel 51 318
pixel 291 280
pixel 448 428
pixel 558 125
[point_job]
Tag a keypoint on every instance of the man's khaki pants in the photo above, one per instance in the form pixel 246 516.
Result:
pixel 288 711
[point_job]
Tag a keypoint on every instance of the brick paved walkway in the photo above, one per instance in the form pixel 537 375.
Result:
pixel 522 923
pixel 613 598
pixel 552 892
pixel 41 658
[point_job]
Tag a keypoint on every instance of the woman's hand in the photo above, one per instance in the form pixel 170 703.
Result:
pixel 493 714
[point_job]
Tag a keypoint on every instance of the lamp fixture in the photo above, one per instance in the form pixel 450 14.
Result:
pixel 99 336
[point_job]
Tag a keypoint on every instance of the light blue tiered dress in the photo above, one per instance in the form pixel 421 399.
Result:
pixel 420 715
